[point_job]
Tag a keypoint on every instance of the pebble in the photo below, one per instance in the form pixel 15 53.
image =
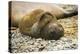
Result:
pixel 28 44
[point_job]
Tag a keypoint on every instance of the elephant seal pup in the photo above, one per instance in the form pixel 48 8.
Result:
pixel 47 27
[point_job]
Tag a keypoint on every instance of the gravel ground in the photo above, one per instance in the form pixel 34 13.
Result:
pixel 20 43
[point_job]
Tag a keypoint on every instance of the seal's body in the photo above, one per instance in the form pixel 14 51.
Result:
pixel 39 20
pixel 21 9
pixel 28 20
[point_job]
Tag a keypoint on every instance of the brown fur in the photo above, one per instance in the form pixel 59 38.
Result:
pixel 28 20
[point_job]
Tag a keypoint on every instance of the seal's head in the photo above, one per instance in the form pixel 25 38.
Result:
pixel 52 31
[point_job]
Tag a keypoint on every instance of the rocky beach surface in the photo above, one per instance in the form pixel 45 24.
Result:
pixel 20 43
